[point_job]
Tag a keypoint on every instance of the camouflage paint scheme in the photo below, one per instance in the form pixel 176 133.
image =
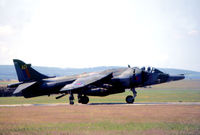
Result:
pixel 111 81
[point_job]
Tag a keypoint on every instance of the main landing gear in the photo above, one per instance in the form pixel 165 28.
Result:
pixel 130 99
pixel 81 99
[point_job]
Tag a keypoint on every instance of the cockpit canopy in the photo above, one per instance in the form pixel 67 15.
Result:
pixel 151 70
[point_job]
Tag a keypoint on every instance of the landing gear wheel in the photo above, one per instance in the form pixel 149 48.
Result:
pixel 84 100
pixel 130 99
pixel 71 102
pixel 71 99
pixel 79 100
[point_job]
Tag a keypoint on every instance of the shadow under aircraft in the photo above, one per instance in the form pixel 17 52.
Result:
pixel 102 83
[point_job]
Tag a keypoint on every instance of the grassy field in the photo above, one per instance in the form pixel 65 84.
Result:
pixel 150 95
pixel 180 91
pixel 107 119
pixel 101 120
pixel 4 83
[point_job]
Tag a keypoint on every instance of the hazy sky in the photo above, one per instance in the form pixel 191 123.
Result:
pixel 159 33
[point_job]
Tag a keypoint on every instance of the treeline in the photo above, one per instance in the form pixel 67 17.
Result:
pixel 6 92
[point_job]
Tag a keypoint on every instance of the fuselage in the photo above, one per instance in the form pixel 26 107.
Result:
pixel 123 78
pixel 33 83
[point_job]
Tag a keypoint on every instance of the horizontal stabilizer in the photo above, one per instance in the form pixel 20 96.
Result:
pixel 23 86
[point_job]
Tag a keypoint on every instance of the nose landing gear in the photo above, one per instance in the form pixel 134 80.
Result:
pixel 130 99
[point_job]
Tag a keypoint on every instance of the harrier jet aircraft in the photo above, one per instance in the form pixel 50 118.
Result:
pixel 111 81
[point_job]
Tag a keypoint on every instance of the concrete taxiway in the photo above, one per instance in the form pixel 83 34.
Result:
pixel 123 104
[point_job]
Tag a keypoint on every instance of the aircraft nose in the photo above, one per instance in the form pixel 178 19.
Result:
pixel 176 77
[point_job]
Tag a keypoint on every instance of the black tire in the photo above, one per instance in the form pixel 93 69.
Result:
pixel 130 99
pixel 80 100
pixel 71 102
pixel 84 100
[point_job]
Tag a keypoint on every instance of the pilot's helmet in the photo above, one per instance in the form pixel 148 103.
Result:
pixel 149 69
pixel 143 68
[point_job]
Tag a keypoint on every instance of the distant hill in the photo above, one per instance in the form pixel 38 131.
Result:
pixel 7 72
pixel 188 73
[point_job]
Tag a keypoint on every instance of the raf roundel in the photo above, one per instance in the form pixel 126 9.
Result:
pixel 79 83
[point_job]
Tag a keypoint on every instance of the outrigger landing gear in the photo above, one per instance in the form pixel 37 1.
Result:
pixel 71 99
pixel 130 99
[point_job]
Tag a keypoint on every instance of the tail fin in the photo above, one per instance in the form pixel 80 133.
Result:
pixel 26 73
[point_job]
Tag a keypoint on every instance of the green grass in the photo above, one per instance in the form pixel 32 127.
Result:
pixel 170 95
pixel 88 122
pixel 102 126
pixel 146 95
pixel 4 83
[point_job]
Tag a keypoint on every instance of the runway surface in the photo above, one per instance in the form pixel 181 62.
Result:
pixel 106 104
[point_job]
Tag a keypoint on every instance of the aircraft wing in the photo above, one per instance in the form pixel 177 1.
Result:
pixel 23 86
pixel 85 81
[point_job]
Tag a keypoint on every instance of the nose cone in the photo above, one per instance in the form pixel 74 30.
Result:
pixel 176 77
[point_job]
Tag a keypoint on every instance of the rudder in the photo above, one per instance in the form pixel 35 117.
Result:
pixel 26 73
